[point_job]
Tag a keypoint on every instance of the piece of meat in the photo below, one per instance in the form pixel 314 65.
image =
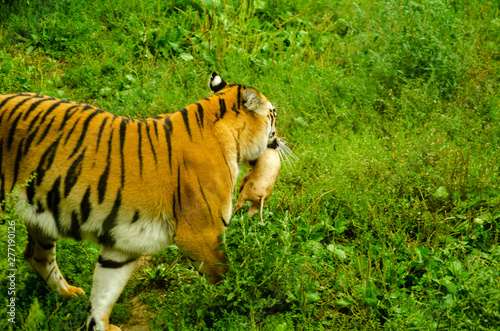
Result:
pixel 257 184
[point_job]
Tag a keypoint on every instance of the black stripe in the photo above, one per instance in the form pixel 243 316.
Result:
pixel 200 113
pixel 113 264
pixel 1 116
pixel 32 135
pixel 179 187
pixel 151 143
pixel 123 132
pixel 103 183
pixel 19 104
pixel 136 217
pixel 85 206
pixel 228 169
pixel 39 208
pixel 74 231
pixel 53 200
pixel 7 100
pixel 12 131
pixel 72 129
pixel 168 132
pixel 99 136
pixel 45 132
pixel 73 174
pixel 174 204
pixel 240 88
pixel 109 223
pixel 49 111
pixel 223 108
pixel 235 109
pixel 139 151
pixel 206 201
pixel 33 122
pixel 33 106
pixel 185 117
pixel 103 180
pixel 223 221
pixel 198 120
pixel 46 161
pixel 238 147
pixel 67 116
pixel 17 163
pixel 156 129
pixel 83 133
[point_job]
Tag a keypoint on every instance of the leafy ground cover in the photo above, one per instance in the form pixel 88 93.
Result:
pixel 389 219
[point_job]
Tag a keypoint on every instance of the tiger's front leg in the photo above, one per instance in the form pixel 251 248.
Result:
pixel 112 272
pixel 201 243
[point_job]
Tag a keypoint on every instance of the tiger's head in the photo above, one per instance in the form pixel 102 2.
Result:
pixel 259 129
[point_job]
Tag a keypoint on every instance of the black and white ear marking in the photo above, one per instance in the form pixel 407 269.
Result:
pixel 216 82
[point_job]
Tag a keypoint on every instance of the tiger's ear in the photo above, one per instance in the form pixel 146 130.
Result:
pixel 255 102
pixel 216 82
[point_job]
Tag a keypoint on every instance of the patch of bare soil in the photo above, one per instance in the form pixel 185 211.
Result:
pixel 139 320
pixel 140 313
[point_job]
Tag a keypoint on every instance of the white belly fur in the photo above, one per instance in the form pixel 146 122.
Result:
pixel 143 236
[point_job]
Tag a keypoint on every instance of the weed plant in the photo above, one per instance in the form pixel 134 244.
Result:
pixel 390 217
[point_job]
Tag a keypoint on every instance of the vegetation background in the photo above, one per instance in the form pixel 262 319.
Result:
pixel 390 217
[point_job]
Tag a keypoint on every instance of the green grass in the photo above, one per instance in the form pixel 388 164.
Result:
pixel 389 219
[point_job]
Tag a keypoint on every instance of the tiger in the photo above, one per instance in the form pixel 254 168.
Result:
pixel 134 186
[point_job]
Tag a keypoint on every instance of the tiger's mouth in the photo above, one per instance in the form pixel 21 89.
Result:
pixel 274 145
pixel 285 153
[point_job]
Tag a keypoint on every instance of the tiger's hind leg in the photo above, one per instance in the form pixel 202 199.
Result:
pixel 40 252
pixel 112 272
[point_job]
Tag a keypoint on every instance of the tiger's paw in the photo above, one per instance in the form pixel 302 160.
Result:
pixel 73 291
pixel 112 327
